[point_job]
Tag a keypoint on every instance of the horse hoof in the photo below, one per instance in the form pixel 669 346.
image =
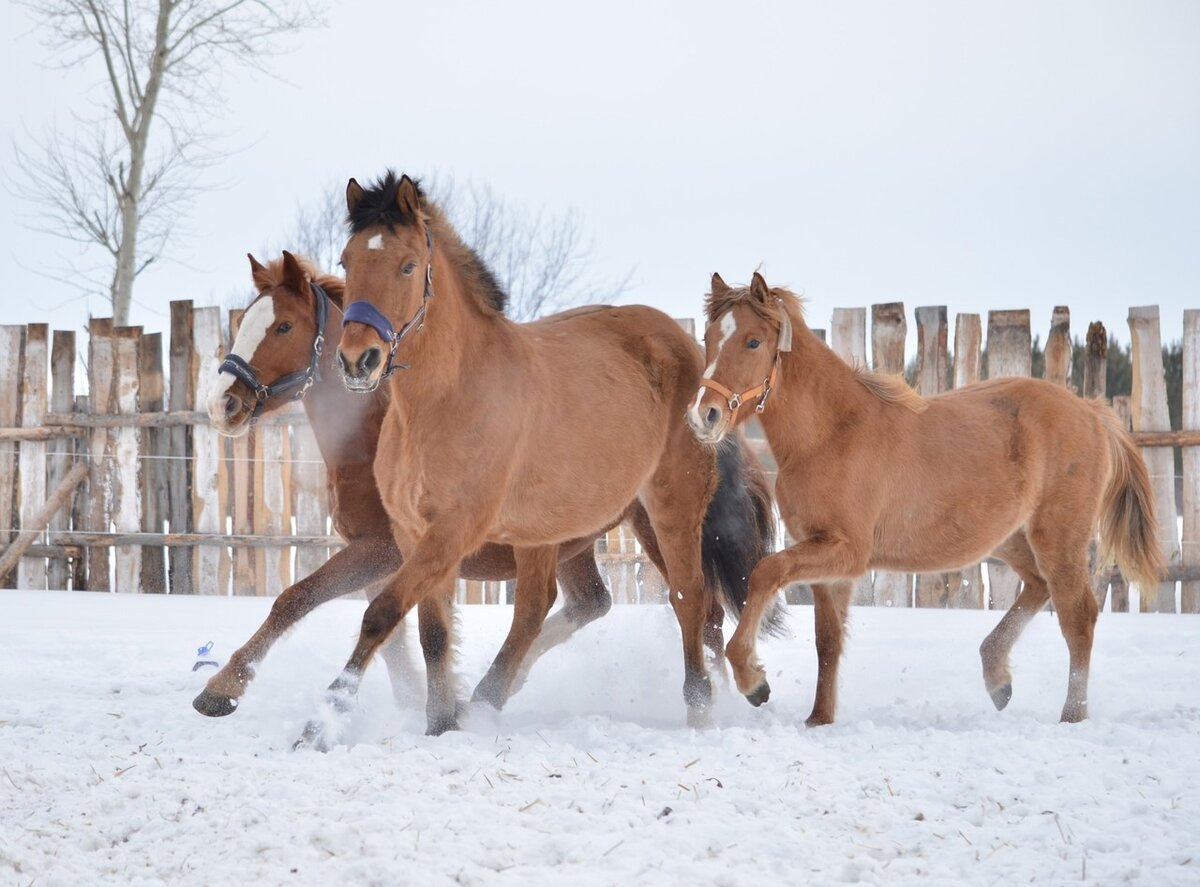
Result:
pixel 214 705
pixel 760 695
pixel 1001 695
pixel 440 726
pixel 312 737
pixel 1073 714
pixel 489 693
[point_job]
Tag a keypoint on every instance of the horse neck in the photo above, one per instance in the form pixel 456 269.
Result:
pixel 345 424
pixel 815 391
pixel 450 343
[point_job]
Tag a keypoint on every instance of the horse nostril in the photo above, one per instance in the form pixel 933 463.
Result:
pixel 370 359
pixel 343 364
pixel 232 405
pixel 711 417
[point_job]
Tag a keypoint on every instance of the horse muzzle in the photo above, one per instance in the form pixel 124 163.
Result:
pixel 361 373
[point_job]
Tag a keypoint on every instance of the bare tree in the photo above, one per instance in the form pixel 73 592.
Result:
pixel 124 176
pixel 541 259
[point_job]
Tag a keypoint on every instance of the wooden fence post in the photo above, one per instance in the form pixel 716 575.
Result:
pixel 1189 597
pixel 100 397
pixel 179 446
pixel 1120 586
pixel 308 482
pixel 80 502
pixel 933 589
pixel 848 338
pixel 1058 347
pixel 61 451
pixel 208 466
pixel 1095 362
pixel 968 339
pixel 155 503
pixel 242 471
pixel 127 488
pixel 889 329
pixel 1009 353
pixel 31 572
pixel 1149 403
pixel 12 352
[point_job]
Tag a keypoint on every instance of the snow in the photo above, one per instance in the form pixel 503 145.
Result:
pixel 589 775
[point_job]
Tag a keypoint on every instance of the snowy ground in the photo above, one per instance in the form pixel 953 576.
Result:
pixel 589 776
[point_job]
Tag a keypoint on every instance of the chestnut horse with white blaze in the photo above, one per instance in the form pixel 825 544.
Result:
pixel 874 476
pixel 283 352
pixel 521 434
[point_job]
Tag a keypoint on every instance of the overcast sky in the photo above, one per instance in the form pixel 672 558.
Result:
pixel 980 156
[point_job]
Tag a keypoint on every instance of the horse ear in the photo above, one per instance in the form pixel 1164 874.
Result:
pixel 354 193
pixel 719 286
pixel 293 275
pixel 258 273
pixel 408 198
pixel 759 288
pixel 785 329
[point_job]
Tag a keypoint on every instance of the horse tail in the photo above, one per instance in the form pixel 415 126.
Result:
pixel 1128 525
pixel 739 530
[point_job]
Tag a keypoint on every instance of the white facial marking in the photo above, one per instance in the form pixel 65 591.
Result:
pixel 728 328
pixel 376 242
pixel 256 323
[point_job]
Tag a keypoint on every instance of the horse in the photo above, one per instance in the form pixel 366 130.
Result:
pixel 520 434
pixel 288 336
pixel 874 476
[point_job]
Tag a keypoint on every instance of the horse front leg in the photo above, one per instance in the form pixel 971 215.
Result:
pixel 430 571
pixel 357 565
pixel 828 556
pixel 831 605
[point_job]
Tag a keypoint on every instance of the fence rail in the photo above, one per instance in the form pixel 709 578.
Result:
pixel 129 488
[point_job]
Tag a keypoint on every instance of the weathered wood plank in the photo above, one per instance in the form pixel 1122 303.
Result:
pixel 127 487
pixel 1009 353
pixel 208 464
pixel 969 593
pixel 101 364
pixel 271 511
pixel 35 398
pixel 848 338
pixel 1149 407
pixel 155 503
pixel 889 330
pixel 36 522
pixel 308 487
pixel 60 451
pixel 1095 361
pixel 1189 597
pixel 179 445
pixel 933 333
pixel 241 471
pixel 12 354
pixel 1058 347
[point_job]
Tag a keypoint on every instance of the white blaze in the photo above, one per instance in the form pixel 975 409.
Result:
pixel 728 328
pixel 256 323
pixel 376 242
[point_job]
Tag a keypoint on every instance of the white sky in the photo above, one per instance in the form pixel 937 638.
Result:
pixel 975 155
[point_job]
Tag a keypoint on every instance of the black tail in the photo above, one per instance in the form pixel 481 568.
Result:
pixel 739 530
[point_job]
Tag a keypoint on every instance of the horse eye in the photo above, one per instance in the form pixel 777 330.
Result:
pixel 753 343
pixel 408 269
pixel 283 327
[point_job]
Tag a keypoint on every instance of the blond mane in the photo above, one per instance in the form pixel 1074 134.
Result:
pixel 891 389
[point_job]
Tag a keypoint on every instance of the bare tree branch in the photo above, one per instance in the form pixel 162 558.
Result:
pixel 117 187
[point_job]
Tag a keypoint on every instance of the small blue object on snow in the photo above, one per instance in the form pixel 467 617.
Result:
pixel 202 657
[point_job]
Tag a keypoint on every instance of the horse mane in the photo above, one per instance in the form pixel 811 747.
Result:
pixel 378 206
pixel 272 275
pixel 889 389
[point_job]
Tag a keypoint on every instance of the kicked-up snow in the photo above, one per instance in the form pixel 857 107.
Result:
pixel 589 776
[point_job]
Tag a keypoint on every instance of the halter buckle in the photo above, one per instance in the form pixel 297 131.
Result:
pixel 735 402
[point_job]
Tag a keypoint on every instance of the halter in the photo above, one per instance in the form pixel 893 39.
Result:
pixel 301 379
pixel 764 388
pixel 366 313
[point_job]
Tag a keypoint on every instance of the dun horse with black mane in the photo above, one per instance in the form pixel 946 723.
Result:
pixel 525 435
pixel 284 352
pixel 871 475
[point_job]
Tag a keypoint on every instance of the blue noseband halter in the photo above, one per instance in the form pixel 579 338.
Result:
pixel 366 313
pixel 300 381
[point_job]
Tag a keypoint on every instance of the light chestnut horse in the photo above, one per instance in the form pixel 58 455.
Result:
pixel 284 352
pixel 873 476
pixel 524 435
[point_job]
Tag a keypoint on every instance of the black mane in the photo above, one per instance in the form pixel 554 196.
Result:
pixel 378 206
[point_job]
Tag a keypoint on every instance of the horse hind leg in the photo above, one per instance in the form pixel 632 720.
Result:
pixel 435 619
pixel 536 590
pixel 997 646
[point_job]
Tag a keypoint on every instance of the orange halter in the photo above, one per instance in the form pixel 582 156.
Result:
pixel 737 398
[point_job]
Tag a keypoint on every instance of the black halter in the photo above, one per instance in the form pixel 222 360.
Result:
pixel 301 379
pixel 365 312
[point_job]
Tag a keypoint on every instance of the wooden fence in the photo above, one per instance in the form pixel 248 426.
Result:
pixel 127 487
